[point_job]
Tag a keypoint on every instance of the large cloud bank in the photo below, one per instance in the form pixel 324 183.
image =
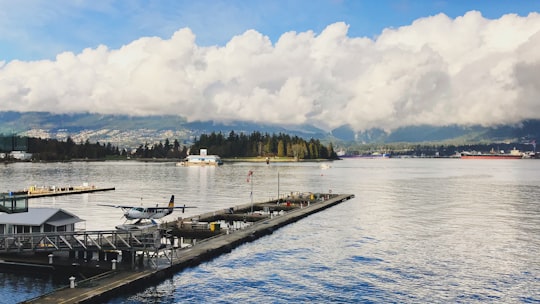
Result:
pixel 438 71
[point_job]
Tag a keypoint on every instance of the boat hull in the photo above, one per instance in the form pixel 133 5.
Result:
pixel 491 156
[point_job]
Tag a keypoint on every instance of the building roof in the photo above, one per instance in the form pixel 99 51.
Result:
pixel 209 157
pixel 39 216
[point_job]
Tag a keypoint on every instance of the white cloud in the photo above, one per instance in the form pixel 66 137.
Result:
pixel 438 70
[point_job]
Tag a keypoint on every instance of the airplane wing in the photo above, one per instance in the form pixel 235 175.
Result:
pixel 148 208
pixel 115 206
pixel 157 208
pixel 167 208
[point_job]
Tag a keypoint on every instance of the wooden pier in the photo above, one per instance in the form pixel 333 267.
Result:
pixel 169 259
pixel 34 191
pixel 17 201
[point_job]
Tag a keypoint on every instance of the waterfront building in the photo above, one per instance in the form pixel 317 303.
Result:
pixel 38 220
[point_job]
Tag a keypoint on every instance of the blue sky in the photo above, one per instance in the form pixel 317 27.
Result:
pixel 329 63
pixel 33 30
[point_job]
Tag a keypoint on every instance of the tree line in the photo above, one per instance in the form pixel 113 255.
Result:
pixel 56 150
pixel 234 145
pixel 161 150
pixel 262 144
pixel 256 144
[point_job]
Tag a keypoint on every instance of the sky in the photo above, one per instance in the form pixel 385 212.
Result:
pixel 328 63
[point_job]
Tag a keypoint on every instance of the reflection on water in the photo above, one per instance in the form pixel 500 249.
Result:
pixel 417 231
pixel 20 285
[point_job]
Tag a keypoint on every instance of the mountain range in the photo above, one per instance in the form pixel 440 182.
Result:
pixel 131 131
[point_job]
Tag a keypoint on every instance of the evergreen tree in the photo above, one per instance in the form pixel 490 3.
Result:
pixel 281 148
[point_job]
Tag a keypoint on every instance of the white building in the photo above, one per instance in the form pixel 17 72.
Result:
pixel 21 155
pixel 38 220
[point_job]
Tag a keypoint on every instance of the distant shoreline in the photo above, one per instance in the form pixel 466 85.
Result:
pixel 272 160
pixel 171 160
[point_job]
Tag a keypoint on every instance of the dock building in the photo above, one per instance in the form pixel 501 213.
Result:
pixel 38 220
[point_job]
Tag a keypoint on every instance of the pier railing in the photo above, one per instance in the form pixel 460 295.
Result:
pixel 80 240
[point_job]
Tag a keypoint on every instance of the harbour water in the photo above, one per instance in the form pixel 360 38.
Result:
pixel 419 230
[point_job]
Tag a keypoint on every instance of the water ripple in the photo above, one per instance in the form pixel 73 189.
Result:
pixel 418 231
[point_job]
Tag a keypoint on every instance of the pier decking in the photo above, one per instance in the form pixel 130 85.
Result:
pixel 177 258
pixel 56 191
pixel 17 201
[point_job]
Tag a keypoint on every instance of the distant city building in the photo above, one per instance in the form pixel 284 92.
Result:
pixel 20 155
pixel 13 142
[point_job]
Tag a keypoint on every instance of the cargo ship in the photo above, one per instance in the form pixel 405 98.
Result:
pixel 514 154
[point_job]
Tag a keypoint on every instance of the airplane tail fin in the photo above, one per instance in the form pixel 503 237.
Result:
pixel 171 202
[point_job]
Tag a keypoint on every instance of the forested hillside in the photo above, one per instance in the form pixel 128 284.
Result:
pixel 259 144
pixel 234 145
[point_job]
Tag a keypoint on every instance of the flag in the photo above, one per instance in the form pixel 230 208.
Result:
pixel 250 173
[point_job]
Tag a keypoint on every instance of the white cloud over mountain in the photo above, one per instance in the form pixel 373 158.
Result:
pixel 438 71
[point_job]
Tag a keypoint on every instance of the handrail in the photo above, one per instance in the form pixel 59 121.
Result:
pixel 78 240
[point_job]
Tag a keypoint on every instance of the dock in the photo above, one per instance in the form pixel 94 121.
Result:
pixel 34 192
pixel 210 238
pixel 17 201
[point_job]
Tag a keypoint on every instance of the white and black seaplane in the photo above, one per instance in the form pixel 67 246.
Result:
pixel 144 217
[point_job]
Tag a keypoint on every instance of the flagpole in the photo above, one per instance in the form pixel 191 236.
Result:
pixel 278 186
pixel 251 181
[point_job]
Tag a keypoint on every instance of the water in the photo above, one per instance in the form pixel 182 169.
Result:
pixel 419 230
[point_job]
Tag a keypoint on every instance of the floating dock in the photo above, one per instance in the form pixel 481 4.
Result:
pixel 259 219
pixel 17 201
pixel 35 191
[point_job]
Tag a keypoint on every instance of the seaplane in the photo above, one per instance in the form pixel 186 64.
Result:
pixel 144 217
